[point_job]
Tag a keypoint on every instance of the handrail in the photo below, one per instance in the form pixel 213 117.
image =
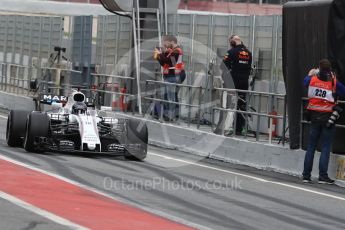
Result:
pixel 13 64
pixel 62 69
pixel 251 113
pixel 113 76
pixel 176 84
pixel 36 67
pixel 170 102
pixel 250 91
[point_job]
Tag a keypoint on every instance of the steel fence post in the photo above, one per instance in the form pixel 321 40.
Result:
pixel 284 120
pixel 162 93
pixel 301 126
pixel 246 115
pixel 224 112
pixel 258 121
pixel 189 103
pixel 213 91
pixel 235 115
pixel 199 108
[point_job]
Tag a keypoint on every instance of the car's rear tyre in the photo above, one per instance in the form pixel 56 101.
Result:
pixel 137 134
pixel 37 125
pixel 16 126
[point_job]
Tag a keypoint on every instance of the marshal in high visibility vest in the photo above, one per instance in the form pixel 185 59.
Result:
pixel 323 90
pixel 170 58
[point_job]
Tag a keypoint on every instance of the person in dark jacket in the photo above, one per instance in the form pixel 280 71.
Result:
pixel 323 90
pixel 238 61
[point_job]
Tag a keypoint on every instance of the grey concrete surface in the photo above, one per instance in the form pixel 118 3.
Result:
pixel 211 193
pixel 10 101
pixel 234 150
pixel 17 218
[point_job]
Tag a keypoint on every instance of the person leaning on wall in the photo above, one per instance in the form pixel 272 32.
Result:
pixel 323 90
pixel 238 61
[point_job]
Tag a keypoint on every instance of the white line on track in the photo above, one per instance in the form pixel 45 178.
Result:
pixel 4 117
pixel 41 212
pixel 191 163
pixel 150 210
pixel 249 176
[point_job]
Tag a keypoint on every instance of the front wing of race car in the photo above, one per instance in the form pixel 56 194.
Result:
pixel 63 145
pixel 111 137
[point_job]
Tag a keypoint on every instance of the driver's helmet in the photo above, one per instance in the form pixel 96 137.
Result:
pixel 79 108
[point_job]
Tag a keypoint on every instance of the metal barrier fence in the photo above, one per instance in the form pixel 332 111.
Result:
pixel 255 110
pixel 24 39
pixel 18 80
pixel 29 40
pixel 202 37
pixel 152 98
pixel 110 91
pixel 58 84
pixel 107 90
pixel 35 39
pixel 156 98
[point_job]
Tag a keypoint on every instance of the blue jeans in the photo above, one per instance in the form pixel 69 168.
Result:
pixel 170 95
pixel 316 131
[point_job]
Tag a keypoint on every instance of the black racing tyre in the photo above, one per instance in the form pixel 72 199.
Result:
pixel 137 134
pixel 16 126
pixel 37 125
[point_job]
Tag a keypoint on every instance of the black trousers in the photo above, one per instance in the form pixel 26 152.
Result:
pixel 240 117
pixel 241 83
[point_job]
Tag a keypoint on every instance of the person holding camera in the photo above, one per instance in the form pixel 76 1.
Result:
pixel 170 58
pixel 323 90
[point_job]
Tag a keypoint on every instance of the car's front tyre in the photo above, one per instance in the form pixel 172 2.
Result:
pixel 137 140
pixel 16 126
pixel 37 125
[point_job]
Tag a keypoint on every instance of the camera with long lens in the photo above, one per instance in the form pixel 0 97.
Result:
pixel 59 49
pixel 337 110
pixel 156 55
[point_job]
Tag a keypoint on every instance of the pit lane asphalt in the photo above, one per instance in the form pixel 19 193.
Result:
pixel 210 193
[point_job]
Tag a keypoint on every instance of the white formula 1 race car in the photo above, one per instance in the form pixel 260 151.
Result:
pixel 72 126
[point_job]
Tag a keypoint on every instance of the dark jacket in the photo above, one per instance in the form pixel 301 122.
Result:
pixel 170 57
pixel 238 60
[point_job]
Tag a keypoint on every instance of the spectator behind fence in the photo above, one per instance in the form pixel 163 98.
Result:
pixel 238 61
pixel 323 89
pixel 170 58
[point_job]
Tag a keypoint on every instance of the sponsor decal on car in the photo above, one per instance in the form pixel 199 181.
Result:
pixel 53 98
